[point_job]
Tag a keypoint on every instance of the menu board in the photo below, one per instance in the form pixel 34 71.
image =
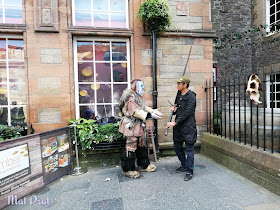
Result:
pixel 56 156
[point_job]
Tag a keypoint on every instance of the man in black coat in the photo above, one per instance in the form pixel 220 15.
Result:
pixel 184 126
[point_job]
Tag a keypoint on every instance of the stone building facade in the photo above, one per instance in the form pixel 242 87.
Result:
pixel 66 59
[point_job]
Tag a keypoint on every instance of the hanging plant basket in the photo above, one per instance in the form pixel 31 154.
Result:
pixel 155 14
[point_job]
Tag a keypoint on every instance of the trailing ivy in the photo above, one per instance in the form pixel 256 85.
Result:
pixel 249 37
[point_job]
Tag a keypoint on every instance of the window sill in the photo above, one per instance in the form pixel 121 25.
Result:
pixel 111 32
pixel 191 33
pixel 12 28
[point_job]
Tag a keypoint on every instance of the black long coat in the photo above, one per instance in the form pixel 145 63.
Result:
pixel 185 128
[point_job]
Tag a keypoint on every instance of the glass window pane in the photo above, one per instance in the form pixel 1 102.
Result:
pixel 272 2
pixel 277 87
pixel 118 5
pixel 272 10
pixel 13 2
pixel 87 112
pixel 104 111
pixel 86 93
pixel 3 116
pixel 3 94
pixel 2 48
pixel 83 18
pixel 278 7
pixel 1 14
pixel 104 93
pixel 15 49
pixel 102 51
pixel 278 77
pixel 13 15
pixel 103 72
pixel 84 4
pixel 18 116
pixel 85 51
pixel 119 51
pixel 278 96
pixel 3 72
pixel 117 112
pixel 100 5
pixel 16 71
pixel 120 72
pixel 100 19
pixel 17 94
pixel 118 91
pixel 278 105
pixel 118 20
pixel 85 72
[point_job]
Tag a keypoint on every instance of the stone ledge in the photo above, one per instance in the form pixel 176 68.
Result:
pixel 254 164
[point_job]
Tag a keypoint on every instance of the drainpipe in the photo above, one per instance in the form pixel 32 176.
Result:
pixel 155 93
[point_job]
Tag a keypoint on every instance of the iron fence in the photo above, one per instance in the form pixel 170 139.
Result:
pixel 231 114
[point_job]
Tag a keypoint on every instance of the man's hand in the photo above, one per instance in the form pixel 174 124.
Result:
pixel 174 108
pixel 170 124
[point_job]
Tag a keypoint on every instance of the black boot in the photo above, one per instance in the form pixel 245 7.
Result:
pixel 128 164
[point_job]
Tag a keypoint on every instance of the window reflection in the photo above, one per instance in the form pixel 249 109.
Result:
pixel 100 49
pixel 103 72
pixel 83 18
pixel 118 90
pixel 85 51
pixel 13 15
pixel 15 49
pixel 85 72
pixel 118 20
pixel 18 116
pixel 120 72
pixel 17 72
pixel 104 94
pixel 104 111
pixel 17 93
pixel 3 94
pixel 3 115
pixel 3 71
pixel 2 48
pixel 101 19
pixel 117 5
pixel 105 13
pixel 87 112
pixel 86 94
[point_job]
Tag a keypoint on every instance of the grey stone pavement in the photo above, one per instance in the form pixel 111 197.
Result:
pixel 212 187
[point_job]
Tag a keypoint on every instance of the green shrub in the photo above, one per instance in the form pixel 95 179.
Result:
pixel 155 13
pixel 89 133
pixel 9 132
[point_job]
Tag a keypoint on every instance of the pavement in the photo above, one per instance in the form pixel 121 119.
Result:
pixel 212 187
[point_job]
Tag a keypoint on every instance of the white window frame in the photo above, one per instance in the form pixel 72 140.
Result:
pixel 109 12
pixel 269 33
pixel 4 5
pixel 268 90
pixel 9 106
pixel 75 40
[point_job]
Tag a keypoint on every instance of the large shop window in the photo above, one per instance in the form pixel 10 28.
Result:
pixel 11 11
pixel 273 15
pixel 12 82
pixel 102 73
pixel 97 13
pixel 273 90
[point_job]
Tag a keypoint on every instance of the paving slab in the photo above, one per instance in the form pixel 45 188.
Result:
pixel 212 187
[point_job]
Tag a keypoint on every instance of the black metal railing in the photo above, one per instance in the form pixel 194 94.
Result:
pixel 261 123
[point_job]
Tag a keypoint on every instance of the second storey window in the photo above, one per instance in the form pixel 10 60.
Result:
pixel 273 15
pixel 11 11
pixel 105 13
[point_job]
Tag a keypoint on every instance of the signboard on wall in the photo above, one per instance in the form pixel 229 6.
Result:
pixel 31 162
pixel 14 164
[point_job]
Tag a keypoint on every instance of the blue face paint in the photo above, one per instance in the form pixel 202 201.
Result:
pixel 140 88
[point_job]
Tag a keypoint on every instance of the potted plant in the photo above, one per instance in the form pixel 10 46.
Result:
pixel 90 135
pixel 156 14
